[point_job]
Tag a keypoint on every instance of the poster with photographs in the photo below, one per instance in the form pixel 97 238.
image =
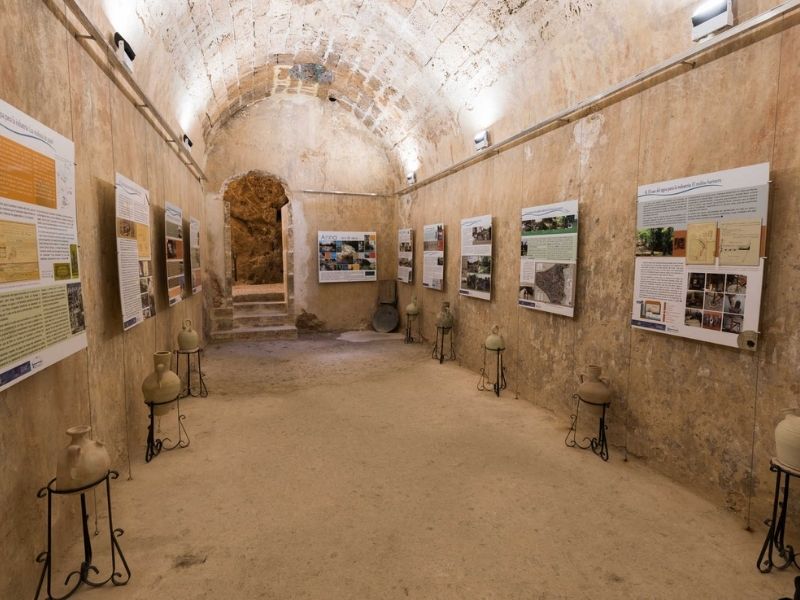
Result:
pixel 134 253
pixel 549 255
pixel 433 256
pixel 194 255
pixel 347 256
pixel 173 232
pixel 476 257
pixel 41 305
pixel 700 255
pixel 405 255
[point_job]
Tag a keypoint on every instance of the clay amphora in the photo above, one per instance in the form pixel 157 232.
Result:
pixel 495 341
pixel 188 340
pixel 412 309
pixel 445 319
pixel 162 385
pixel 787 441
pixel 594 388
pixel 84 461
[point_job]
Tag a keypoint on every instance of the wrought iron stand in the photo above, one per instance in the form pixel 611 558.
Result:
pixel 156 445
pixel 599 444
pixel 410 339
pixel 777 524
pixel 202 391
pixel 439 352
pixel 500 382
pixel 87 568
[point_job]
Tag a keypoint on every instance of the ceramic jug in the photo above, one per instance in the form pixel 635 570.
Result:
pixel 495 341
pixel 162 385
pixel 787 441
pixel 594 388
pixel 412 309
pixel 83 462
pixel 188 340
pixel 445 318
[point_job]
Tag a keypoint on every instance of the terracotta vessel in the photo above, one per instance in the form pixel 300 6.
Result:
pixel 162 385
pixel 445 319
pixel 594 388
pixel 787 441
pixel 84 461
pixel 495 341
pixel 188 340
pixel 412 309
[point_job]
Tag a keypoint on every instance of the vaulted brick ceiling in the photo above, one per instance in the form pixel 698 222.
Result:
pixel 403 67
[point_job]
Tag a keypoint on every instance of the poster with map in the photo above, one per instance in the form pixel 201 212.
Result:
pixel 700 245
pixel 476 257
pixel 194 255
pixel 176 273
pixel 433 256
pixel 42 318
pixel 549 258
pixel 405 255
pixel 134 253
pixel 347 256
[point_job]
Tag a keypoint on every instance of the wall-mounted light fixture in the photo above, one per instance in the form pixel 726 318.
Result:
pixel 124 51
pixel 411 178
pixel 482 140
pixel 187 142
pixel 710 17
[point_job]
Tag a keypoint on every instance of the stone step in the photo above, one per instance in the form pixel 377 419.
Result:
pixel 259 319
pixel 259 297
pixel 259 307
pixel 275 332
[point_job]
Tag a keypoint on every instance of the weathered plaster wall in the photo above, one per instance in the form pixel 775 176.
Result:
pixel 310 144
pixel 691 409
pixel 46 74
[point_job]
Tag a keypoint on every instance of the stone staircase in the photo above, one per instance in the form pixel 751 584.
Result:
pixel 258 313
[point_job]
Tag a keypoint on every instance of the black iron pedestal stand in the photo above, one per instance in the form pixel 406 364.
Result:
pixel 410 320
pixel 439 352
pixel 484 385
pixel 86 570
pixel 599 444
pixel 156 445
pixel 777 524
pixel 202 391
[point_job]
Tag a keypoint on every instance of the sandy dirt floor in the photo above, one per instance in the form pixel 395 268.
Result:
pixel 327 469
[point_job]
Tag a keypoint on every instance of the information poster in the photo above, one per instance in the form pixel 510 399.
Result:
pixel 405 255
pixel 699 255
pixel 549 253
pixel 194 255
pixel 347 256
pixel 476 257
pixel 433 263
pixel 176 275
pixel 134 254
pixel 41 305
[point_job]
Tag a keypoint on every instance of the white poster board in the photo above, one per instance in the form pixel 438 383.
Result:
pixel 476 257
pixel 699 255
pixel 347 256
pixel 549 257
pixel 194 255
pixel 173 234
pixel 433 256
pixel 405 255
pixel 134 253
pixel 42 317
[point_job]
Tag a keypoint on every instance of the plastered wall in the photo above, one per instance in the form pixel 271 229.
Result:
pixel 697 412
pixel 46 74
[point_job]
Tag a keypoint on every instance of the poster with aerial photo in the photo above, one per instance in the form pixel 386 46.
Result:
pixel 476 257
pixel 700 255
pixel 134 254
pixel 433 256
pixel 549 255
pixel 41 303
pixel 176 273
pixel 405 255
pixel 194 255
pixel 347 256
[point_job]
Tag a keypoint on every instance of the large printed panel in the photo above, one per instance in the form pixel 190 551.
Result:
pixel 194 255
pixel 700 255
pixel 42 318
pixel 405 255
pixel 476 257
pixel 176 272
pixel 433 256
pixel 347 256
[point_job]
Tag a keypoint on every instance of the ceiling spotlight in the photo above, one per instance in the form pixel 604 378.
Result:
pixel 710 17
pixel 124 51
pixel 482 140
pixel 187 142
pixel 411 178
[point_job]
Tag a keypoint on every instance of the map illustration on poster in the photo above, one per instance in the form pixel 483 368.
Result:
pixel 405 255
pixel 700 255
pixel 173 232
pixel 549 255
pixel 433 255
pixel 194 255
pixel 476 257
pixel 134 253
pixel 42 318
pixel 347 256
